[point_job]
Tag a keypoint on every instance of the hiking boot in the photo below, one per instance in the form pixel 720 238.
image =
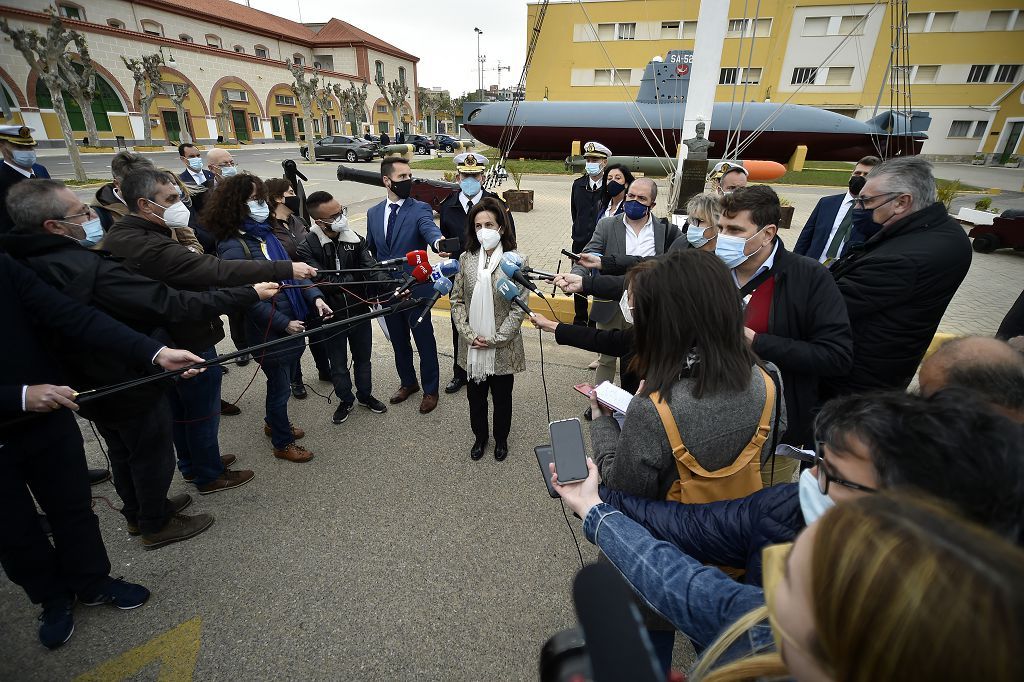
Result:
pixel 228 480
pixel 175 503
pixel 56 622
pixel 179 527
pixel 297 433
pixel 293 453
pixel 123 595
pixel 225 461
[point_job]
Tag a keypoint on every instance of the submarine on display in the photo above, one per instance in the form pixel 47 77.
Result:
pixel 650 126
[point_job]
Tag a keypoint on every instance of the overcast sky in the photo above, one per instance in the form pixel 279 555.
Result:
pixel 440 33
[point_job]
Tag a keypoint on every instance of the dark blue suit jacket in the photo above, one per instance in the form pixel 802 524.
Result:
pixel 414 230
pixel 814 238
pixel 187 177
pixel 40 171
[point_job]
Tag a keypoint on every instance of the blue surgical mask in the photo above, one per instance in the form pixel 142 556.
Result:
pixel 812 503
pixel 634 210
pixel 258 210
pixel 93 232
pixel 24 159
pixel 695 235
pixel 730 249
pixel 592 168
pixel 470 186
pixel 228 171
pixel 861 221
pixel 195 163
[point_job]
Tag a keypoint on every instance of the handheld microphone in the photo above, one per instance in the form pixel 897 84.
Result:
pixel 511 266
pixel 446 268
pixel 419 275
pixel 442 287
pixel 413 258
pixel 510 292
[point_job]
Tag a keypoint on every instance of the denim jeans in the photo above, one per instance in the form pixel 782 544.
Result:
pixel 360 338
pixel 195 406
pixel 279 380
pixel 701 601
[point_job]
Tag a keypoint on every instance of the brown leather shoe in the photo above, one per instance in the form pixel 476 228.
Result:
pixel 228 480
pixel 225 460
pixel 403 393
pixel 179 527
pixel 293 453
pixel 176 503
pixel 428 403
pixel 297 433
pixel 229 409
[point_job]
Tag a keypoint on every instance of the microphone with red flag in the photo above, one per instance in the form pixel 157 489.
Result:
pixel 419 275
pixel 412 259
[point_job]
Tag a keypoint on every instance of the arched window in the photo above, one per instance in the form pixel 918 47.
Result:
pixel 379 66
pixel 151 27
pixel 106 100
pixel 213 41
pixel 401 75
pixel 115 23
pixel 297 59
pixel 262 51
pixel 185 38
pixel 71 11
pixel 239 49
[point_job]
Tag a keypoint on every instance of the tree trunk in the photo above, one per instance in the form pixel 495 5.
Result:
pixel 396 116
pixel 145 103
pixel 90 120
pixel 179 108
pixel 310 139
pixel 65 127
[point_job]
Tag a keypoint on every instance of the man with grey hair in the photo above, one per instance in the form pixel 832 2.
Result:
pixel 109 204
pixel 897 283
pixel 989 367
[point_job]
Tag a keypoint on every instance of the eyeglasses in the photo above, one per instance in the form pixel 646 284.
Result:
pixel 817 458
pixel 859 202
pixel 226 164
pixel 330 219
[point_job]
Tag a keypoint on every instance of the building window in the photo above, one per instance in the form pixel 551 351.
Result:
pixel 237 95
pixel 379 70
pixel 737 28
pixel 262 51
pixel 942 22
pixel 297 59
pixel 302 124
pixel 839 75
pixel 746 27
pixel 337 127
pixel 727 77
pixel 382 108
pixel 185 38
pixel 669 30
pixel 151 27
pixel 959 129
pixel 926 73
pixel 689 30
pixel 804 75
pixel 979 129
pixel 239 49
pixel 731 76
pixel 751 76
pixel 213 41
pixel 1007 73
pixel 814 27
pixel 275 124
pixel 115 23
pixel 254 123
pixel 979 73
pixel 916 21
pixel 998 20
pixel 71 11
pixel 284 100
pixel 612 76
pixel 401 75
pixel 852 25
pixel 626 32
pixel 316 127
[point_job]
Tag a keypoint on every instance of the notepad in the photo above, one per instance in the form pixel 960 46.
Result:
pixel 613 396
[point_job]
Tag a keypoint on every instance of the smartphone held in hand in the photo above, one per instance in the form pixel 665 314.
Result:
pixel 569 452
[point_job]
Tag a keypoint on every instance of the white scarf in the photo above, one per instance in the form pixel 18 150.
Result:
pixel 480 361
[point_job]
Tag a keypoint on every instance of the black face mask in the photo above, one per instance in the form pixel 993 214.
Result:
pixel 614 188
pixel 402 188
pixel 856 184
pixel 292 203
pixel 860 220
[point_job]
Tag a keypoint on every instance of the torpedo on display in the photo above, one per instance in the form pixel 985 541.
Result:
pixel 546 130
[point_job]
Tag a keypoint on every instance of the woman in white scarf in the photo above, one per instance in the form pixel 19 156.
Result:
pixel 490 340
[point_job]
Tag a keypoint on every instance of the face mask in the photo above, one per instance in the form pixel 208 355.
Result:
pixel 195 164
pixel 627 312
pixel 176 215
pixel 592 167
pixel 228 171
pixel 861 221
pixel 489 238
pixel 615 188
pixel 634 209
pixel 470 186
pixel 695 235
pixel 258 210
pixel 117 193
pixel 730 249
pixel 812 503
pixel 856 184
pixel 402 188
pixel 292 203
pixel 24 159
pixel 340 224
pixel 93 232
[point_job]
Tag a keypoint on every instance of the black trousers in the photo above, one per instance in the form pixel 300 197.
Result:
pixel 317 348
pixel 141 451
pixel 47 458
pixel 500 387
pixel 457 371
pixel 236 325
pixel 580 304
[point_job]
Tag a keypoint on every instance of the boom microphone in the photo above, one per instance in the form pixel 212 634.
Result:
pixel 510 292
pixel 511 266
pixel 540 274
pixel 442 287
pixel 419 275
pixel 413 258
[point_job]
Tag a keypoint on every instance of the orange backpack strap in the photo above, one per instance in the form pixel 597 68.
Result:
pixel 668 421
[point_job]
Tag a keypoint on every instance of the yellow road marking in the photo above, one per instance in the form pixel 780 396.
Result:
pixel 176 650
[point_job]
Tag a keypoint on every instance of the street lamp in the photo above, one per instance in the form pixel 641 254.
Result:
pixel 479 64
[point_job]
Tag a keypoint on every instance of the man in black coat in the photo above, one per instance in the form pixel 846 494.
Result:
pixel 136 423
pixel 585 208
pixel 453 212
pixel 18 148
pixel 898 283
pixel 43 455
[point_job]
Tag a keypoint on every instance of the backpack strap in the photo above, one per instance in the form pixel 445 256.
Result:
pixel 669 423
pixel 245 247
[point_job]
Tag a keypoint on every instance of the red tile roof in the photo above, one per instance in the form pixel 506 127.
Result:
pixel 336 33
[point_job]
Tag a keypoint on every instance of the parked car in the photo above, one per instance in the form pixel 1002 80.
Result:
pixel 372 138
pixel 421 143
pixel 446 143
pixel 342 147
pixel 376 145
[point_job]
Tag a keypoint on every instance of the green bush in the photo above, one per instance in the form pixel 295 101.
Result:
pixel 947 192
pixel 983 204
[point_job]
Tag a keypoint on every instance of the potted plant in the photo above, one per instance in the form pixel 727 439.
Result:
pixel 786 221
pixel 984 204
pixel 1012 162
pixel 518 200
pixel 978 160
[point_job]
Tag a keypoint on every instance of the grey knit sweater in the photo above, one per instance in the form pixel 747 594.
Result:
pixel 638 460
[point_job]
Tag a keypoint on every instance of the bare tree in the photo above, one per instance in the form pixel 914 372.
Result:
pixel 224 116
pixel 146 72
pixel 444 106
pixel 428 105
pixel 323 100
pixel 353 104
pixel 80 82
pixel 44 55
pixel 395 94
pixel 178 93
pixel 304 91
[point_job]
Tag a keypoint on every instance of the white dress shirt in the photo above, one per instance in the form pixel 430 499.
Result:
pixel 387 213
pixel 476 199
pixel 844 208
pixel 641 244
pixel 199 177
pixel 610 211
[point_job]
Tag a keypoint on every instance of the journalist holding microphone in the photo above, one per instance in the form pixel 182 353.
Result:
pixel 490 340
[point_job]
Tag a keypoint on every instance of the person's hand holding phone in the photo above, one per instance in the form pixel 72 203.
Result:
pixel 581 496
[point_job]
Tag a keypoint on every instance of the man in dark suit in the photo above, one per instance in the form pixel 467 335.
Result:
pixel 828 229
pixel 585 208
pixel 194 173
pixel 395 227
pixel 453 212
pixel 19 153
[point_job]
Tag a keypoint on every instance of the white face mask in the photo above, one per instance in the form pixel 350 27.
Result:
pixel 176 215
pixel 627 312
pixel 340 224
pixel 489 238
pixel 812 503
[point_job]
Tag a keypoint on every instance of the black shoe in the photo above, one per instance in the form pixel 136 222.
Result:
pixel 478 450
pixel 324 376
pixel 454 385
pixel 341 414
pixel 118 592
pixel 374 405
pixel 56 622
pixel 299 391
pixel 500 451
pixel 97 476
pixel 243 360
pixel 588 415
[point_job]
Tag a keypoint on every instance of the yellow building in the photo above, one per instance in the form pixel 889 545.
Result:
pixel 966 60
